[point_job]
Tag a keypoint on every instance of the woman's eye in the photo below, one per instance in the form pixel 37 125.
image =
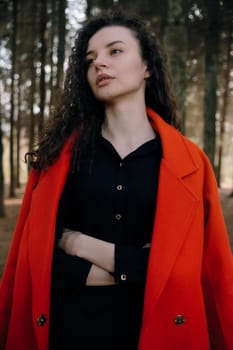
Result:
pixel 89 61
pixel 116 51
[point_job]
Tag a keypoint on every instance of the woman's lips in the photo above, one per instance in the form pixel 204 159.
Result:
pixel 103 79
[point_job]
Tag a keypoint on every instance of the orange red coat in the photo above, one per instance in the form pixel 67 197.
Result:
pixel 189 287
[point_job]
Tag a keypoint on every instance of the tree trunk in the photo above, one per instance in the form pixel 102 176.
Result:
pixel 61 42
pixel 43 49
pixel 55 90
pixel 2 209
pixel 14 31
pixel 211 72
pixel 53 68
pixel 18 135
pixel 224 107
pixel 32 75
pixel 175 40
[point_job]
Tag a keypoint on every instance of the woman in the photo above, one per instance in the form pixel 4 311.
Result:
pixel 120 242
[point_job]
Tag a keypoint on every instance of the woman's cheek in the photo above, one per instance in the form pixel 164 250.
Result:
pixel 90 78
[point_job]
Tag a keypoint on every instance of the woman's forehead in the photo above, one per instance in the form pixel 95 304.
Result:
pixel 109 34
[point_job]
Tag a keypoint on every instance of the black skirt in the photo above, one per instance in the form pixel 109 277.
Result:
pixel 96 318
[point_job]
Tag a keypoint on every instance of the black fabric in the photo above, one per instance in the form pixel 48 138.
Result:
pixel 102 318
pixel 130 262
pixel 113 201
pixel 91 201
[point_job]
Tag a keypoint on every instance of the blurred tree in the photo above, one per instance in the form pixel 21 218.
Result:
pixel 32 75
pixel 51 52
pixel 175 41
pixel 62 4
pixel 223 110
pixel 2 208
pixel 4 18
pixel 18 130
pixel 211 73
pixel 12 112
pixel 60 18
pixel 43 51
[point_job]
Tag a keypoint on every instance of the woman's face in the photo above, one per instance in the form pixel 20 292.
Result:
pixel 116 69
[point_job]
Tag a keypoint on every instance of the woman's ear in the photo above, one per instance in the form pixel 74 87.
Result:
pixel 147 74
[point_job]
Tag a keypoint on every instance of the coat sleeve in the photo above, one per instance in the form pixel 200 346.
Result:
pixel 217 274
pixel 7 282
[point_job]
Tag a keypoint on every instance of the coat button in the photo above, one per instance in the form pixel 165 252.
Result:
pixel 41 320
pixel 118 217
pixel 179 320
pixel 123 277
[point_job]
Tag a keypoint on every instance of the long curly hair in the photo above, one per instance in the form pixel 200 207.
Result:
pixel 80 110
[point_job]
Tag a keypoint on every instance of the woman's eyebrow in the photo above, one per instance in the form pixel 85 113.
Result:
pixel 108 45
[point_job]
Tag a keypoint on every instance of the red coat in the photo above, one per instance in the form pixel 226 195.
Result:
pixel 189 285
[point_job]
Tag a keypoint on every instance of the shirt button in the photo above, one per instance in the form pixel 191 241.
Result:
pixel 118 217
pixel 123 277
pixel 41 320
pixel 179 320
pixel 121 164
pixel 119 187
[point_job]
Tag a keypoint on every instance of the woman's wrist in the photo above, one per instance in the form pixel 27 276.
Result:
pixel 98 276
pixel 98 252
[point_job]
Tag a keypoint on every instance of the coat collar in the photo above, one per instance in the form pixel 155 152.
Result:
pixel 175 150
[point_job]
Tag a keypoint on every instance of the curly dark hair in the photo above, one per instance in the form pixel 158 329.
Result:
pixel 80 110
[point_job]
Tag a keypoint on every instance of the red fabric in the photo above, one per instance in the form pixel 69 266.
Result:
pixel 190 271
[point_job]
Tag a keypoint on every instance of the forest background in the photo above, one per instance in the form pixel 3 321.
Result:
pixel 35 41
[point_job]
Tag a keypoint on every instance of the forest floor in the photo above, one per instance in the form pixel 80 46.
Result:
pixel 12 206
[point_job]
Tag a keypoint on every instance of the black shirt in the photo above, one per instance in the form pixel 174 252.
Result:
pixel 113 201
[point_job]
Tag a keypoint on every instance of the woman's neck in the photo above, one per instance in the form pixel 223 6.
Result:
pixel 127 127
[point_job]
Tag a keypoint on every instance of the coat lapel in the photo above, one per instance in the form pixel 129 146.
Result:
pixel 45 200
pixel 176 208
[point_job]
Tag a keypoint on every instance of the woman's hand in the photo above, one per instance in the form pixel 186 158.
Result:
pixel 99 277
pixel 69 242
pixel 98 252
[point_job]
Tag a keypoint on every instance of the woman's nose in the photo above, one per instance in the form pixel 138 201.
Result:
pixel 100 62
